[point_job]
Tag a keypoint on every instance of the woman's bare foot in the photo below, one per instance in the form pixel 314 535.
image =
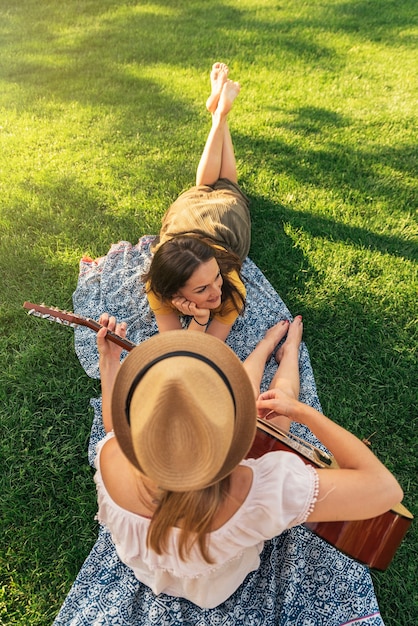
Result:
pixel 218 77
pixel 274 335
pixel 293 339
pixel 255 363
pixel 229 92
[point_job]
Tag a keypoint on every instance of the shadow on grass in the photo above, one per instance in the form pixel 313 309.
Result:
pixel 267 215
pixel 92 59
pixel 350 330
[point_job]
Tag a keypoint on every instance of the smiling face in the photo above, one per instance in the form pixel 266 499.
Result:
pixel 204 286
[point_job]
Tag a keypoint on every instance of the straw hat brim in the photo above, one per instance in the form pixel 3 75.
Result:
pixel 187 343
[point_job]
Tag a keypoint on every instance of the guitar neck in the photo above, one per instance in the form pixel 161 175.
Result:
pixel 126 344
pixel 67 318
pixel 311 453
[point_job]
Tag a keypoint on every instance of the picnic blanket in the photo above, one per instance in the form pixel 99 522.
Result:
pixel 302 580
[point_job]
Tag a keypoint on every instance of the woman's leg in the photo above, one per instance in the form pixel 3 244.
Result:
pixel 228 164
pixel 287 377
pixel 255 363
pixel 218 158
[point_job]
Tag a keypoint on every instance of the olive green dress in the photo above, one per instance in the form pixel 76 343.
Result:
pixel 219 212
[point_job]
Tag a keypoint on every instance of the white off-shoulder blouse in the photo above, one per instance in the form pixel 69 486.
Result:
pixel 282 494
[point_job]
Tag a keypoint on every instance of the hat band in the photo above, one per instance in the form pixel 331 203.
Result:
pixel 169 355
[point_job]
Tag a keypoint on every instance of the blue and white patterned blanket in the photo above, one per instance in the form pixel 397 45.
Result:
pixel 302 581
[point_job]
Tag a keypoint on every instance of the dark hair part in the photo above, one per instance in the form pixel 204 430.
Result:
pixel 175 261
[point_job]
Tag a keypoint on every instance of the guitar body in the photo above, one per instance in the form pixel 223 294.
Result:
pixel 372 542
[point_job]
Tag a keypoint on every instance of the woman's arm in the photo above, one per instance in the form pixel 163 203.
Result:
pixel 216 329
pixel 170 321
pixel 362 488
pixel 109 363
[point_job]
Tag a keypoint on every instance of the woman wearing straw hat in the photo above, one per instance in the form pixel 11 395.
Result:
pixel 187 512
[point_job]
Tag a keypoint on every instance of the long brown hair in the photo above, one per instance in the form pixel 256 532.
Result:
pixel 175 261
pixel 192 512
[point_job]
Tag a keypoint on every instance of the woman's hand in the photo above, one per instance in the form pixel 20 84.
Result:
pixel 108 350
pixel 186 307
pixel 276 401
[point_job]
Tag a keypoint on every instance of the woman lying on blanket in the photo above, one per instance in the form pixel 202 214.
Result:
pixel 205 234
pixel 187 512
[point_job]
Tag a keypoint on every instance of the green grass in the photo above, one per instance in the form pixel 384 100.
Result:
pixel 101 125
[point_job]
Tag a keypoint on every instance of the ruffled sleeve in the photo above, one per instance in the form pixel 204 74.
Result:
pixel 283 493
pixel 286 490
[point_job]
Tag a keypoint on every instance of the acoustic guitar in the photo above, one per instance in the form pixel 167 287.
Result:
pixel 373 542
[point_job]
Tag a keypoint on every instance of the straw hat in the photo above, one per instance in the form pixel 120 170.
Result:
pixel 183 409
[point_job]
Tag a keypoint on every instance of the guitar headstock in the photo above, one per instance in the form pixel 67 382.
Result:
pixel 53 314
